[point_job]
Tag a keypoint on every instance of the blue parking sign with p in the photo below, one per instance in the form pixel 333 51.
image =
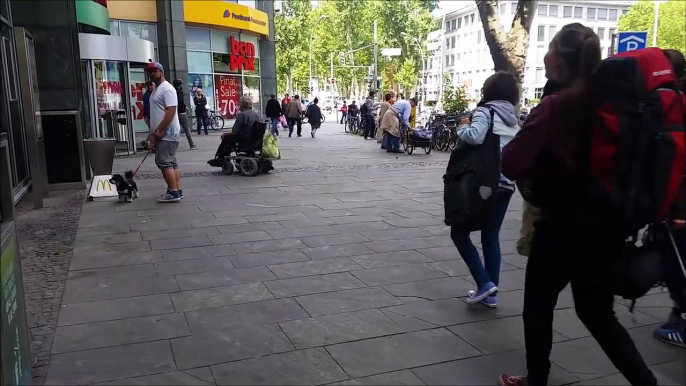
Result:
pixel 632 41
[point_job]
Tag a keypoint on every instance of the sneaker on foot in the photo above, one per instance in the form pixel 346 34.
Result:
pixel 169 196
pixel 194 147
pixel 482 293
pixel 674 335
pixel 490 302
pixel 512 380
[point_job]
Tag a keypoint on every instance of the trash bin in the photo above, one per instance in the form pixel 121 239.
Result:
pixel 100 155
pixel 121 134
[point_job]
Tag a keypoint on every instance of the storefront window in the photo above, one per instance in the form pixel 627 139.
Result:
pixel 256 68
pixel 251 87
pixel 137 80
pixel 145 31
pixel 255 42
pixel 198 39
pixel 222 64
pixel 199 62
pixel 204 82
pixel 220 41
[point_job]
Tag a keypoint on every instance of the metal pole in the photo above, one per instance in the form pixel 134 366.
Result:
pixel 333 105
pixel 376 49
pixel 655 22
pixel 309 81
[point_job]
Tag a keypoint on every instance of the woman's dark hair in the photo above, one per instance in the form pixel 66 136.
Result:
pixel 678 62
pixel 579 48
pixel 387 97
pixel 501 86
pixel 273 96
pixel 316 100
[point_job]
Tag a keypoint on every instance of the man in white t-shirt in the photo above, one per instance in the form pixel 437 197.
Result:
pixel 165 121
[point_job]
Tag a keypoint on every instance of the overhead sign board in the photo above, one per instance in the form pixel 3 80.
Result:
pixel 391 52
pixel 632 41
pixel 225 14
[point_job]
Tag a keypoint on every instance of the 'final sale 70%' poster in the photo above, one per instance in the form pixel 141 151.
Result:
pixel 228 94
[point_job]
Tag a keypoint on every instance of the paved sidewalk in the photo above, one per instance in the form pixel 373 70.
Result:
pixel 334 269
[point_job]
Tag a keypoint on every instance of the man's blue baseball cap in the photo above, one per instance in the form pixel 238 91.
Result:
pixel 154 66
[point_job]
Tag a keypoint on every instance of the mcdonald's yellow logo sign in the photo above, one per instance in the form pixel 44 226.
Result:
pixel 104 184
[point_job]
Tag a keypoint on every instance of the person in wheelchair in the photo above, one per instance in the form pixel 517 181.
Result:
pixel 240 132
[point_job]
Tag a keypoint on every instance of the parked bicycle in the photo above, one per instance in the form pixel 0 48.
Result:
pixel 215 121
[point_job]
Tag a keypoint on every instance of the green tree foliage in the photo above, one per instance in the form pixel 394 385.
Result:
pixel 671 28
pixel 455 100
pixel 347 26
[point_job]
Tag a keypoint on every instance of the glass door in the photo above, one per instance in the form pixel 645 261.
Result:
pixel 110 98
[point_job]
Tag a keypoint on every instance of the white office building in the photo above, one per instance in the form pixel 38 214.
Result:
pixel 459 48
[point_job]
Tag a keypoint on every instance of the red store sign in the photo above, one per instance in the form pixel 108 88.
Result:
pixel 228 88
pixel 242 55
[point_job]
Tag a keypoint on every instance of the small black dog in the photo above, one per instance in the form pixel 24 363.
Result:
pixel 126 186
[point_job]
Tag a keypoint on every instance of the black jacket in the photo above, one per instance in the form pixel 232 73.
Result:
pixel 181 108
pixel 273 109
pixel 200 106
pixel 314 115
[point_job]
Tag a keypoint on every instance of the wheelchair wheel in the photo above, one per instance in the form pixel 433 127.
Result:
pixel 227 168
pixel 266 166
pixel 248 167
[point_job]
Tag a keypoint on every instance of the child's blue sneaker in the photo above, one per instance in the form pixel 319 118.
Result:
pixel 675 335
pixel 490 302
pixel 482 293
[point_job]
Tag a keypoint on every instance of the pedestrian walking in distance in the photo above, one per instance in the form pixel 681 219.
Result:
pixel 273 112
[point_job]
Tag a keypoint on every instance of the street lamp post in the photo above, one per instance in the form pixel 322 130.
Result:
pixel 322 17
pixel 655 22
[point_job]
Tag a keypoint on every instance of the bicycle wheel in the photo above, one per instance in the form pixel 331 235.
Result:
pixel 345 126
pixel 217 122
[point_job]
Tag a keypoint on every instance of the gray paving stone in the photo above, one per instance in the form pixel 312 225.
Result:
pixel 653 350
pixel 95 260
pixel 414 222
pixel 408 244
pixel 484 370
pixel 390 259
pixel 347 301
pixel 181 378
pixel 249 227
pixel 183 267
pixel 670 373
pixel 99 288
pixel 250 314
pixel 119 332
pixel 511 280
pixel 306 223
pixel 452 267
pixel 398 352
pixel 498 335
pixel 132 247
pixel 396 234
pixel 183 218
pixel 568 324
pixel 175 209
pixel 317 267
pixel 403 377
pixel 302 232
pixel 228 345
pixel 241 237
pixel 434 289
pixel 339 328
pixel 223 278
pixel 407 323
pixel 356 219
pixel 124 272
pixel 313 284
pixel 116 238
pixel 268 258
pixel 326 240
pixel 180 233
pixel 268 246
pixel 220 296
pixel 304 367
pixel 109 229
pixel 79 313
pixel 97 220
pixel 206 252
pixel 362 228
pixel 276 217
pixel 330 252
pixel 403 274
pixel 92 366
pixel 216 222
pixel 157 226
pixel 186 242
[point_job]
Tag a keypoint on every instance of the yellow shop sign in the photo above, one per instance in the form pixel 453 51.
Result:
pixel 223 14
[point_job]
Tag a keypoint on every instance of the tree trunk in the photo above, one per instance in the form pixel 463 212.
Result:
pixel 289 81
pixel 508 50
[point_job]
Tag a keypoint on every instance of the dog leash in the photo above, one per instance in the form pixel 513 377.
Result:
pixel 141 164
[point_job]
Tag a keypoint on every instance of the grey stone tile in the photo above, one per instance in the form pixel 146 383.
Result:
pixel 220 296
pixel 434 289
pixel 268 246
pixel 448 252
pixel 408 323
pixel 132 247
pixel 180 233
pixel 186 242
pixel 242 237
pixel 452 267
pixel 301 232
pixel 198 253
pixel 304 367
pixel 313 284
pixel 268 258
pixel 511 280
pixel 403 274
pixel 183 267
pixel 109 229
pixel 91 289
pixel 398 352
pixel 362 228
pixel 355 219
pixel 79 313
pixel 326 240
pixel 670 373
pixel 498 335
pixel 568 324
pixel 276 217
pixel 403 377
pixel 116 238
pixel 330 252
pixel 119 332
pixel 92 366
pixel 217 222
pixel 610 380
pixel 339 328
pixel 317 267
pixel 95 260
pixel 414 222
pixel 653 350
pixel 249 227
pixel 396 234
pixel 251 314
pixel 409 244
pixel 124 272
pixel 97 220
pixel 180 378
pixel 175 209
pixel 347 301
pixel 183 218
pixel 227 277
pixel 390 259
pixel 228 345
pixel 306 223
pixel 484 370
pixel 157 226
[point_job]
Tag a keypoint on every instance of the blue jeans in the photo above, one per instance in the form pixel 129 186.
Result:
pixel 489 271
pixel 392 143
pixel 275 125
pixel 369 126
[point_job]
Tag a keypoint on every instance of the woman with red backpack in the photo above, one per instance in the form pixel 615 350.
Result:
pixel 578 235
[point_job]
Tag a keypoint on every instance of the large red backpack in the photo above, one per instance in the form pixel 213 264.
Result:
pixel 637 149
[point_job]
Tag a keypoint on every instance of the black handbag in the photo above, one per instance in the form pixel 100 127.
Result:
pixel 471 182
